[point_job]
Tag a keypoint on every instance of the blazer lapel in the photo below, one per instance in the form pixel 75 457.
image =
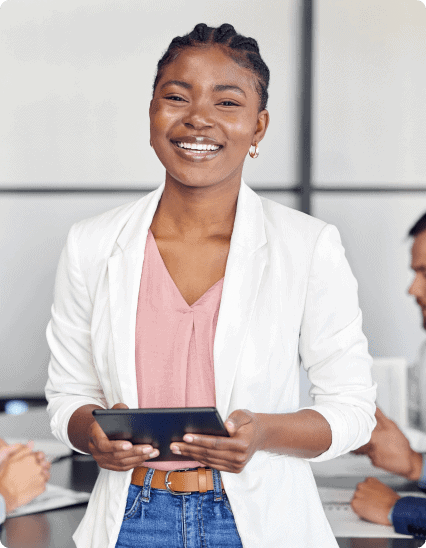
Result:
pixel 244 269
pixel 124 275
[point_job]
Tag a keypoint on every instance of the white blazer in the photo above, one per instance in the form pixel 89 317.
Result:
pixel 289 297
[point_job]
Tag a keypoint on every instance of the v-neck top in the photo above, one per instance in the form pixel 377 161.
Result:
pixel 174 343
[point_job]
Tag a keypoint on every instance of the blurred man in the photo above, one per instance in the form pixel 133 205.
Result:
pixel 389 448
pixel 23 476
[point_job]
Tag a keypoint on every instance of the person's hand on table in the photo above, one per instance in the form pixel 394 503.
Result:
pixel 225 454
pixel 373 501
pixel 117 455
pixel 389 449
pixel 23 475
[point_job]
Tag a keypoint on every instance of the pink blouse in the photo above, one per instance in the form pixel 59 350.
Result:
pixel 174 343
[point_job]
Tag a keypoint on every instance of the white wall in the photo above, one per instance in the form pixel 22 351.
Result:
pixel 369 90
pixel 74 104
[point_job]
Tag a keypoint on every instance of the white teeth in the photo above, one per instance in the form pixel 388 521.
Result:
pixel 197 147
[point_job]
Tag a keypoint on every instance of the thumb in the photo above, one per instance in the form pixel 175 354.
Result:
pixel 237 419
pixel 120 406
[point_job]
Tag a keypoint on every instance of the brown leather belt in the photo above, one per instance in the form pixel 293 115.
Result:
pixel 177 482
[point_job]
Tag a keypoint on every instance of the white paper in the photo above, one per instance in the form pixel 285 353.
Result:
pixel 54 497
pixel 51 448
pixel 346 524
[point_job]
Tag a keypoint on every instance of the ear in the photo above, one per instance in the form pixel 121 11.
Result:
pixel 261 126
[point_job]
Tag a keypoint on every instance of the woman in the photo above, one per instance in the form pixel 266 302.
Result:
pixel 138 294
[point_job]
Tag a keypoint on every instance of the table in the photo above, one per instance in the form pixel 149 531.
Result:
pixel 54 529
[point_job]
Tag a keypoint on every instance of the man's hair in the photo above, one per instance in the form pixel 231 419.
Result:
pixel 242 49
pixel 418 227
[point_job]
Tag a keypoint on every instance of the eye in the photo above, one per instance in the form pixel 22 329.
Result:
pixel 175 98
pixel 228 104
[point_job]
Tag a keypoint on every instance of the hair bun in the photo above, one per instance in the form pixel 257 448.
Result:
pixel 223 33
pixel 200 32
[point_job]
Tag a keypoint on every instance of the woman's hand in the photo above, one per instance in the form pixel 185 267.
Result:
pixel 225 454
pixel 373 501
pixel 118 455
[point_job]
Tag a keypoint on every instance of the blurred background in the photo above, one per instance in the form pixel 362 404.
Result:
pixel 346 142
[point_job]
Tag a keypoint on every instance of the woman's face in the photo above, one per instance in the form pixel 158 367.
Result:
pixel 204 118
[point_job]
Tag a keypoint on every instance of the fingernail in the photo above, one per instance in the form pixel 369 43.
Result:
pixel 147 450
pixel 175 449
pixel 155 453
pixel 126 445
pixel 188 438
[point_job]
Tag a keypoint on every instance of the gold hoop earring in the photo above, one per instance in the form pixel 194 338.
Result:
pixel 254 154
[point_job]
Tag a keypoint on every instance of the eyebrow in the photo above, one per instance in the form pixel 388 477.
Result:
pixel 217 87
pixel 225 87
pixel 176 83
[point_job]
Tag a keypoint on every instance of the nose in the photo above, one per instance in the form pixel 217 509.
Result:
pixel 415 288
pixel 199 116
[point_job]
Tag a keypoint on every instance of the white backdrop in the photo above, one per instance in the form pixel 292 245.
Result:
pixel 369 90
pixel 74 104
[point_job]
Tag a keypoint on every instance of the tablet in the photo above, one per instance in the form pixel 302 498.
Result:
pixel 160 427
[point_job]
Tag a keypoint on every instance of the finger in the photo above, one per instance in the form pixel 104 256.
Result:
pixel 204 455
pixel 103 444
pixel 120 406
pixel 236 419
pixel 138 451
pixel 20 452
pixel 132 462
pixel 40 456
pixel 219 443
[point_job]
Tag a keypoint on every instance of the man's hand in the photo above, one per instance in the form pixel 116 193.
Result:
pixel 23 475
pixel 225 454
pixel 373 501
pixel 117 455
pixel 389 449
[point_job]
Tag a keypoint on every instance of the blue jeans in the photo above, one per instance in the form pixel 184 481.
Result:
pixel 158 519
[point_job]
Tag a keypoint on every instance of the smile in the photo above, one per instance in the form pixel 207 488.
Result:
pixel 197 147
pixel 197 152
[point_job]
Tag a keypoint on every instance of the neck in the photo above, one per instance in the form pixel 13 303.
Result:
pixel 196 212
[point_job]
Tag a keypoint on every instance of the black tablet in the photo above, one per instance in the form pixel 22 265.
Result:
pixel 160 427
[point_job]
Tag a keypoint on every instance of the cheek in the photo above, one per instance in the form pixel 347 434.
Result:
pixel 239 131
pixel 161 121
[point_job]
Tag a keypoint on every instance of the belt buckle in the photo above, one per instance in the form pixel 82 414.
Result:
pixel 167 482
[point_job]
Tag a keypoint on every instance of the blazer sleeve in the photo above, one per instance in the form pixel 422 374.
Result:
pixel 72 378
pixel 334 350
pixel 409 517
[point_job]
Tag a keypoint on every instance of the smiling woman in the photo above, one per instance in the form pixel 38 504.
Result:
pixel 202 294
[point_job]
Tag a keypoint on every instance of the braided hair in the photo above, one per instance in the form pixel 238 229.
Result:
pixel 243 50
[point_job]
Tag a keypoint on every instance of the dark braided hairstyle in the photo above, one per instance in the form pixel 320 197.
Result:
pixel 241 49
